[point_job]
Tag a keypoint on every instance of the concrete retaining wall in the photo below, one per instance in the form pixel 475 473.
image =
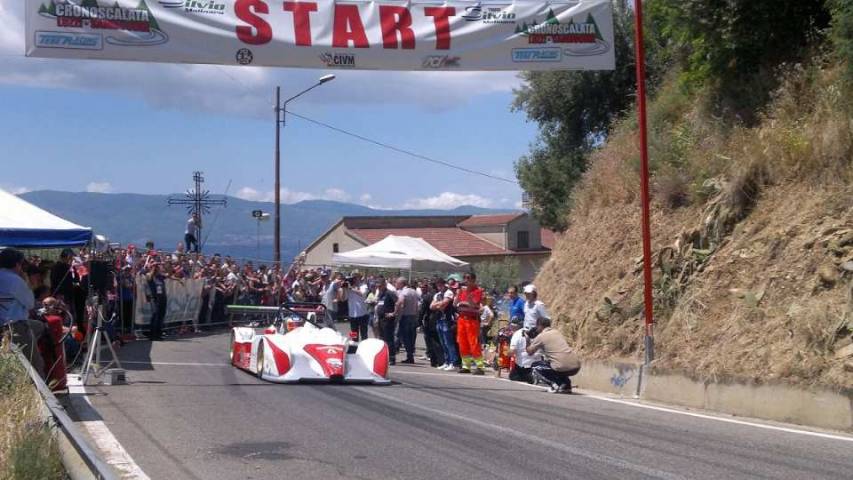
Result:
pixel 779 402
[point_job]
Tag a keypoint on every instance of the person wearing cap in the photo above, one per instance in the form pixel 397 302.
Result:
pixel 522 367
pixel 560 362
pixel 534 309
pixel 467 303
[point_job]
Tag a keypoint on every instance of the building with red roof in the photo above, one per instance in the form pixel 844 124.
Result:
pixel 472 238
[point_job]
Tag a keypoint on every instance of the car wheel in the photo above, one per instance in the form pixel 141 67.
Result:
pixel 260 362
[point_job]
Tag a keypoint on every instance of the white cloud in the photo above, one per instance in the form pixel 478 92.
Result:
pixel 336 194
pixel 234 90
pixel 99 187
pixel 448 200
pixel 291 196
pixel 365 198
pixel 13 189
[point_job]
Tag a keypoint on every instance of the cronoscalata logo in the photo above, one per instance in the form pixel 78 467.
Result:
pixel 580 38
pixel 211 7
pixel 244 56
pixel 483 14
pixel 338 60
pixel 130 26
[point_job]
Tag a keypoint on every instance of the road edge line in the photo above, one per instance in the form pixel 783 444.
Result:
pixel 114 453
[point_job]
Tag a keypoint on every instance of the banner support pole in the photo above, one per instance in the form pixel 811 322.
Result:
pixel 640 61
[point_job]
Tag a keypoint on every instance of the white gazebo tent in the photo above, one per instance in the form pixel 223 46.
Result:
pixel 398 252
pixel 24 225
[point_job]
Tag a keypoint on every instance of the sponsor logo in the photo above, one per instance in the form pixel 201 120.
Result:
pixel 338 60
pixel 520 55
pixel 478 13
pixel 244 57
pixel 581 38
pixel 195 6
pixel 441 61
pixel 131 26
pixel 77 41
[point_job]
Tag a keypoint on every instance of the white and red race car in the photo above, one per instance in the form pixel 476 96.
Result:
pixel 297 349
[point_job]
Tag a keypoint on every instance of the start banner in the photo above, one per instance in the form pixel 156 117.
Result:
pixel 339 34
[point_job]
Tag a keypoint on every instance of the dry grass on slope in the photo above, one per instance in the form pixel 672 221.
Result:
pixel 747 225
pixel 28 450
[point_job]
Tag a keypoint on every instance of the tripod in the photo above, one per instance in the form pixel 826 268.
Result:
pixel 93 359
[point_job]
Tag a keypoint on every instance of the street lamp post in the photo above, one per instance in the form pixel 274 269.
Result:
pixel 280 117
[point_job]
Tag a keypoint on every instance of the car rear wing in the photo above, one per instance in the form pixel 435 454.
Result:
pixel 299 309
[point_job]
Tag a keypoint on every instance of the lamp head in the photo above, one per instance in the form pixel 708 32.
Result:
pixel 327 78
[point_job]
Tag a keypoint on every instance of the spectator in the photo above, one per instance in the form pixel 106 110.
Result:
pixel 386 302
pixel 560 361
pixel 426 320
pixel 157 298
pixel 16 303
pixel 533 308
pixel 61 279
pixel 406 310
pixel 521 369
pixel 516 303
pixel 467 303
pixel 358 315
pixel 442 305
pixel 192 233
pixel 330 297
pixel 487 317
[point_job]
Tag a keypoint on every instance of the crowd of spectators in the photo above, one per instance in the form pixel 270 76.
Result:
pixel 456 317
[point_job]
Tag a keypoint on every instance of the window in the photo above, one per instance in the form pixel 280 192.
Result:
pixel 335 248
pixel 523 240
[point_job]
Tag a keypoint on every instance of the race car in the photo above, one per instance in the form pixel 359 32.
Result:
pixel 296 348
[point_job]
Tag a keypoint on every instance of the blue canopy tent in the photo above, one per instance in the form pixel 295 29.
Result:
pixel 23 225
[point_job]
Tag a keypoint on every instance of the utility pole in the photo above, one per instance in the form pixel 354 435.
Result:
pixel 197 201
pixel 277 234
pixel 280 122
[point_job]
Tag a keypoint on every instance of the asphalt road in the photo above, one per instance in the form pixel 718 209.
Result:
pixel 186 414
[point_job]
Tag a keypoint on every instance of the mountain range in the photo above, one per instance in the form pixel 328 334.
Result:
pixel 136 218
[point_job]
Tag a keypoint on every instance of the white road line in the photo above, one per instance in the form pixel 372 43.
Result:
pixel 114 454
pixel 637 404
pixel 178 364
pixel 617 462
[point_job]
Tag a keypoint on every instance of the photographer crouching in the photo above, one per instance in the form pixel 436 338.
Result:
pixel 560 361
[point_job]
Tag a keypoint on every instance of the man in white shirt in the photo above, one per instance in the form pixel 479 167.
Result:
pixel 533 308
pixel 358 318
pixel 521 370
pixel 16 301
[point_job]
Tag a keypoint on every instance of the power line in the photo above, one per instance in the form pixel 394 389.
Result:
pixel 401 150
pixel 377 142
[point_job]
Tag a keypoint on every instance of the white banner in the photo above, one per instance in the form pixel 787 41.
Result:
pixel 357 34
pixel 183 302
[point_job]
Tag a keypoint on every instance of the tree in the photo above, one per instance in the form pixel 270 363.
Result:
pixel 498 275
pixel 733 46
pixel 574 111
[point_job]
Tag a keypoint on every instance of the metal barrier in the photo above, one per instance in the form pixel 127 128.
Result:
pixel 93 466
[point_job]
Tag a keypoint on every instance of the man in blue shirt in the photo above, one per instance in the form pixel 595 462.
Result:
pixel 16 302
pixel 516 303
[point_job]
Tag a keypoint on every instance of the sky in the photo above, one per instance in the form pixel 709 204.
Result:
pixel 132 127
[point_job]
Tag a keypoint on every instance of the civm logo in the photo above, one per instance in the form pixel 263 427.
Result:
pixel 343 60
pixel 195 6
